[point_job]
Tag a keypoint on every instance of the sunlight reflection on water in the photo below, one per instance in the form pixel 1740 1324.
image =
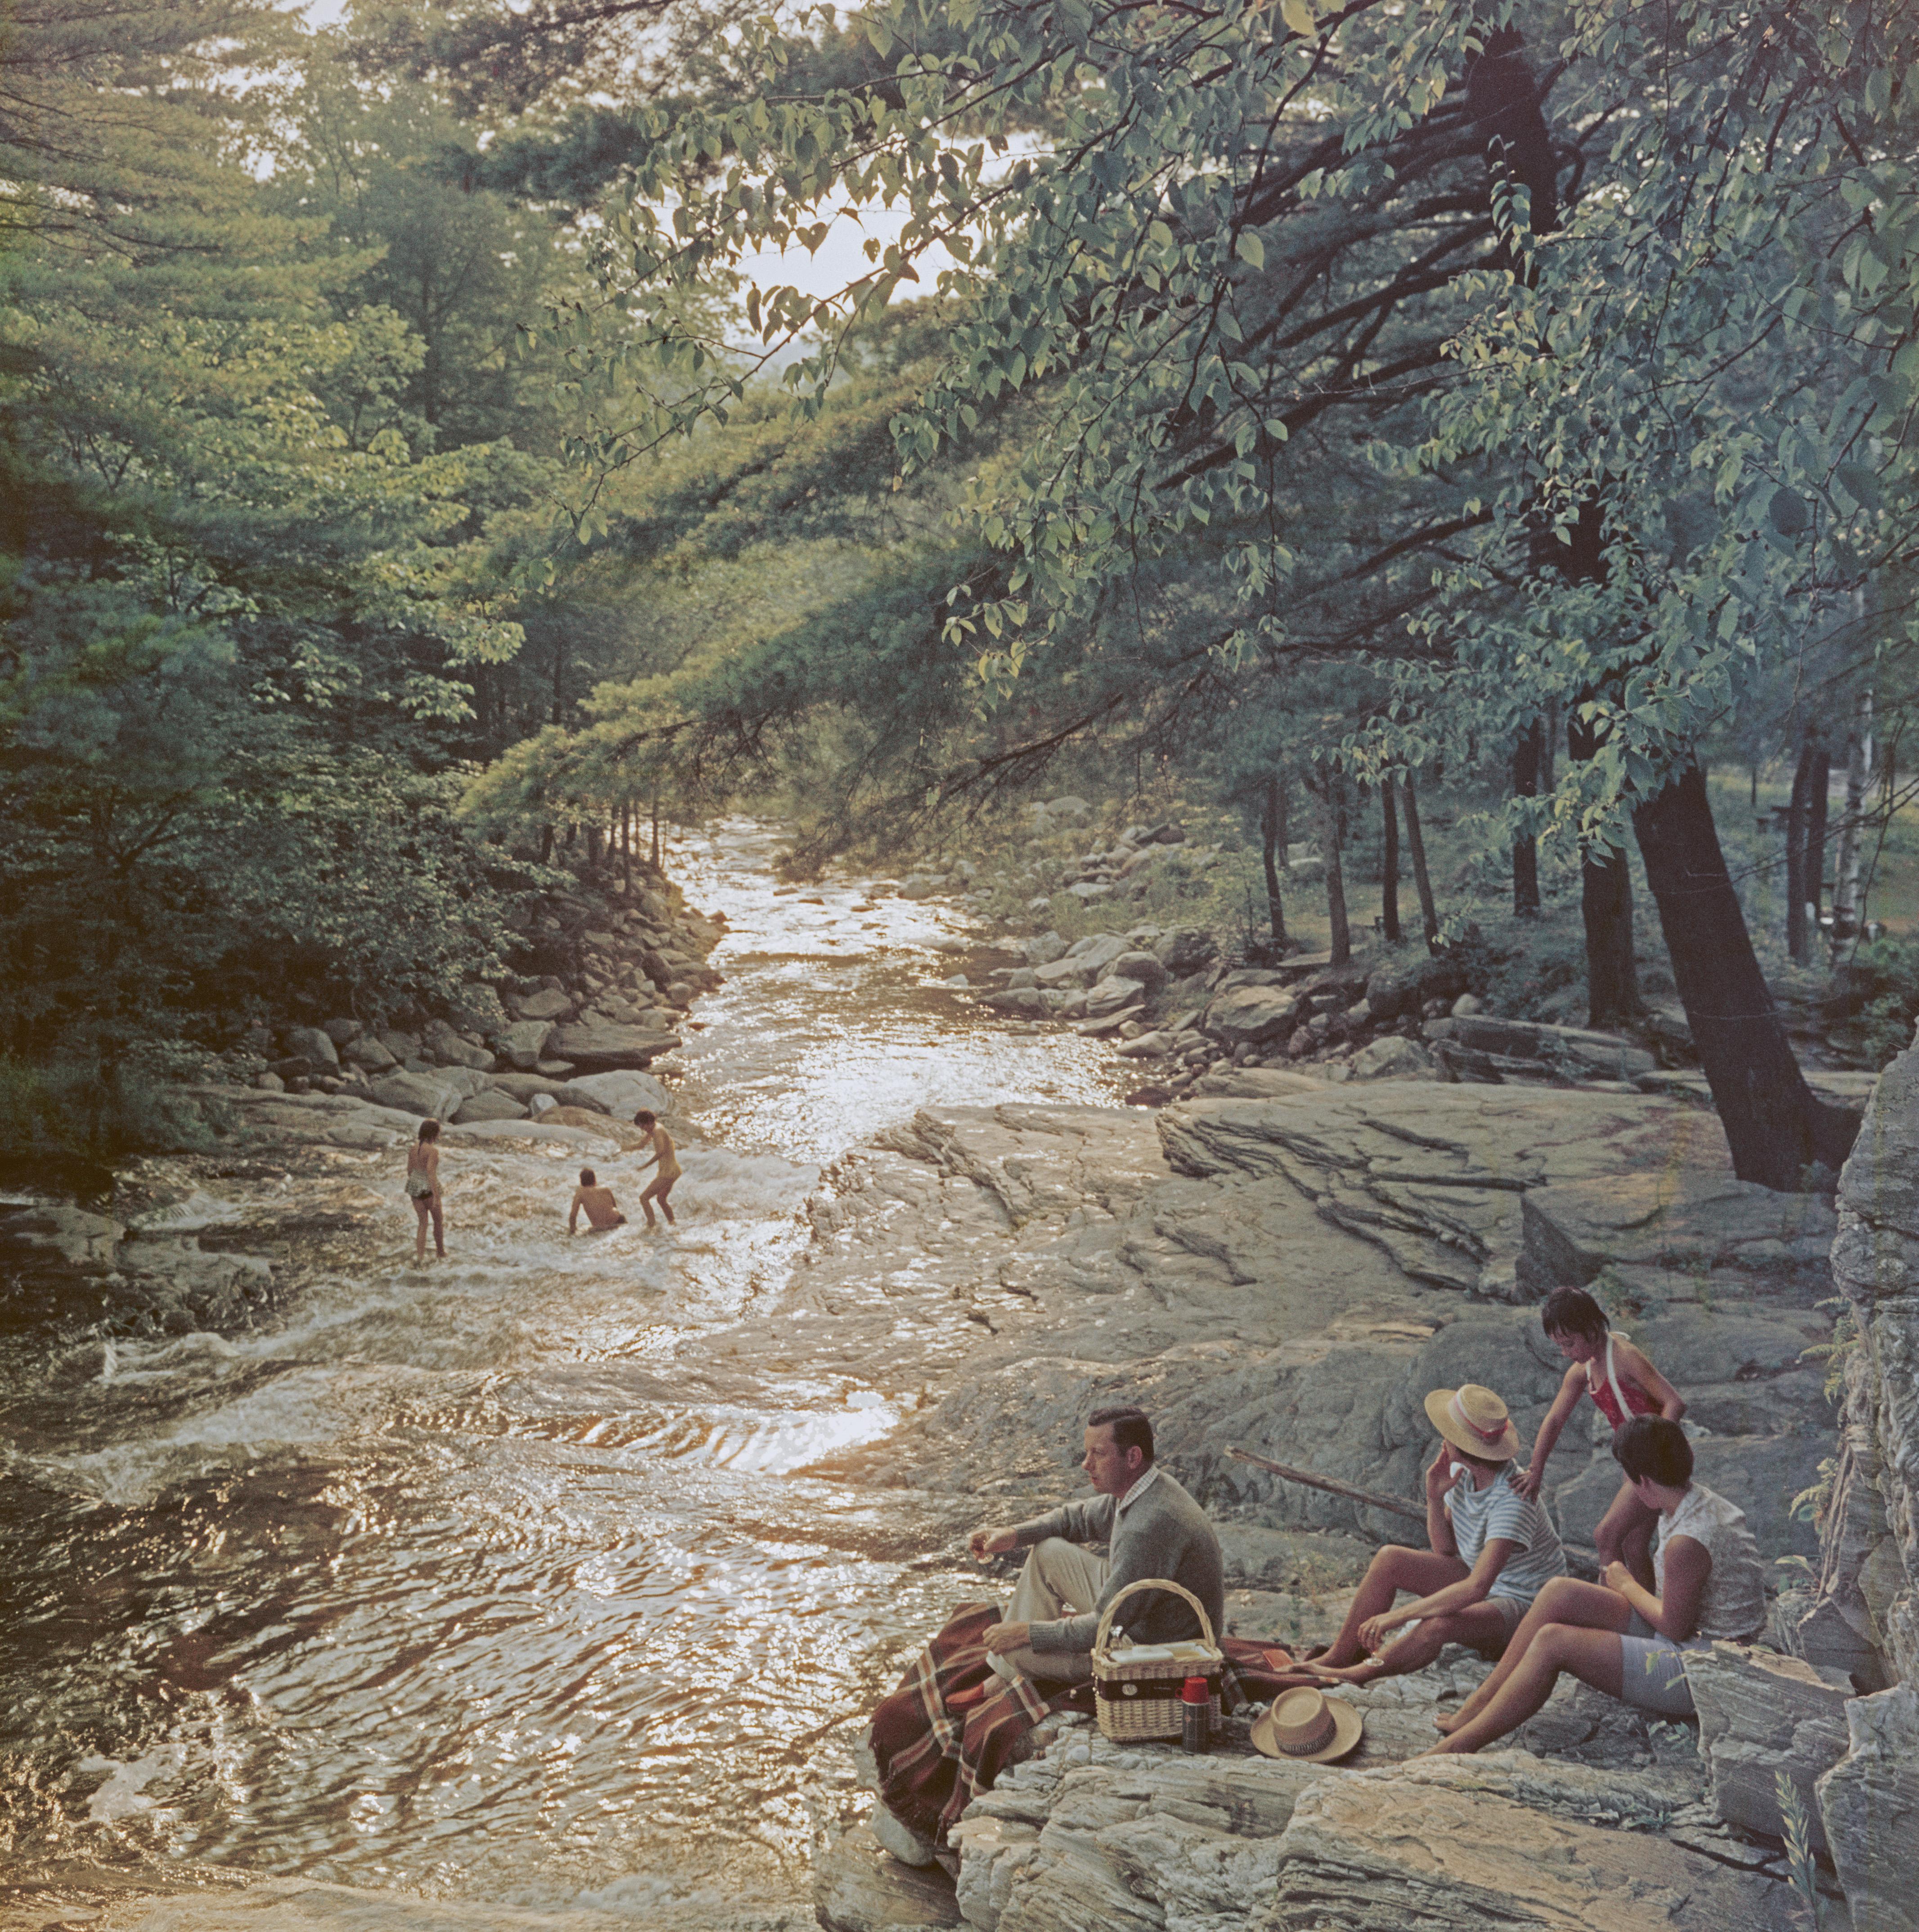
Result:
pixel 492 1580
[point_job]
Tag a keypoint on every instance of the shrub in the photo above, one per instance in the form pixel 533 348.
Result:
pixel 74 1109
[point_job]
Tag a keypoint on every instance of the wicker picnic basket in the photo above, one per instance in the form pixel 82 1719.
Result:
pixel 1141 1699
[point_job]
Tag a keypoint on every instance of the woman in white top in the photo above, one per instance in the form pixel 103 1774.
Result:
pixel 1616 1635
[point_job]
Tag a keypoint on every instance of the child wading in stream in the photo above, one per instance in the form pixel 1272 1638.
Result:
pixel 660 1186
pixel 1622 1384
pixel 422 1190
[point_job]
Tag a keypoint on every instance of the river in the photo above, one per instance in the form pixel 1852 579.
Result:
pixel 496 1580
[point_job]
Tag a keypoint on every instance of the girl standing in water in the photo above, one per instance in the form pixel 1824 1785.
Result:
pixel 422 1190
pixel 662 1184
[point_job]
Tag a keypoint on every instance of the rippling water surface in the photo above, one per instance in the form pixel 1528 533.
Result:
pixel 494 1579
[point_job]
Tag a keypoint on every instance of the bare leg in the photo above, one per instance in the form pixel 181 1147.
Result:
pixel 1594 1656
pixel 1480 1625
pixel 648 1197
pixel 1625 1535
pixel 440 1229
pixel 1563 1600
pixel 666 1205
pixel 1394 1569
pixel 422 1205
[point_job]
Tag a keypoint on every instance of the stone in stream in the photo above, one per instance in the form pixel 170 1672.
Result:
pixel 436 1095
pixel 491 1105
pixel 548 1002
pixel 613 1048
pixel 620 1093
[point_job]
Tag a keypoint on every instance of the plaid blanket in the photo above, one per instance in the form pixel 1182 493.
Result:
pixel 947 1733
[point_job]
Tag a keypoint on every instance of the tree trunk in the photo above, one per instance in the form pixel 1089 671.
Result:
pixel 1422 879
pixel 1525 850
pixel 656 828
pixel 1335 798
pixel 1773 1125
pixel 1273 844
pixel 1389 872
pixel 1817 805
pixel 1612 973
pixel 546 843
pixel 1797 942
pixel 1605 900
pixel 1848 914
pixel 559 680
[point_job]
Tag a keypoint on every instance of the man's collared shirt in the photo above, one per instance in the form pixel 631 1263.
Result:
pixel 1138 1490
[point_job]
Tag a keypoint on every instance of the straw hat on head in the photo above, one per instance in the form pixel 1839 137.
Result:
pixel 1474 1419
pixel 1309 1727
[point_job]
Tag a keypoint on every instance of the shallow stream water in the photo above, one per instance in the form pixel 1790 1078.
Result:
pixel 495 1579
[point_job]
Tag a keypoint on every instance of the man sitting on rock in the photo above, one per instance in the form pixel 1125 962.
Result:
pixel 1155 1530
pixel 1494 1549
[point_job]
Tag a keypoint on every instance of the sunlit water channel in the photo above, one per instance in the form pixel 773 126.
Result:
pixel 493 1579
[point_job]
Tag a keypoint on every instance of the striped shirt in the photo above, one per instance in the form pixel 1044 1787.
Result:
pixel 1480 1516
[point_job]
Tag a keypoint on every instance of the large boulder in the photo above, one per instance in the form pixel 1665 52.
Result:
pixel 1403 982
pixel 1251 1015
pixel 621 1094
pixel 527 1086
pixel 1109 997
pixel 1186 950
pixel 547 1003
pixel 490 1104
pixel 1868 1805
pixel 1392 1058
pixel 1760 1714
pixel 1145 969
pixel 343 1030
pixel 1043 950
pixel 312 1045
pixel 607 1049
pixel 368 1054
pixel 524 1044
pixel 434 1096
pixel 445 1045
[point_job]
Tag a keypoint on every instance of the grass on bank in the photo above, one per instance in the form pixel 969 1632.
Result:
pixel 75 1110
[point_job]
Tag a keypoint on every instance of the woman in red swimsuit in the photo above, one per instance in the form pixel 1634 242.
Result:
pixel 1622 1384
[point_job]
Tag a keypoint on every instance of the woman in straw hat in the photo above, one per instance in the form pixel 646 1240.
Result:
pixel 1493 1549
pixel 1616 1635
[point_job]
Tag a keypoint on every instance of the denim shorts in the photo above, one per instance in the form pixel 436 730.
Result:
pixel 1652 1672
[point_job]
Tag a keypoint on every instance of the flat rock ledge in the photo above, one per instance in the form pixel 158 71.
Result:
pixel 1607 1829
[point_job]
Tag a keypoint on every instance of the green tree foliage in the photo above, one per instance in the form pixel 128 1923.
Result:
pixel 246 600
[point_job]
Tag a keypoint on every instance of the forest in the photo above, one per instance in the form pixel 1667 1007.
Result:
pixel 417 483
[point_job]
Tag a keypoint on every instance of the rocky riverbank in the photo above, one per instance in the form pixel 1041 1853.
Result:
pixel 563 1060
pixel 1290 1274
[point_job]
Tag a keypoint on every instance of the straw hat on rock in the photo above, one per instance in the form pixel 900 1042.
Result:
pixel 1474 1420
pixel 1308 1727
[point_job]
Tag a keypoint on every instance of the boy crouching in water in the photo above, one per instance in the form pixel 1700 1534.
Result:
pixel 597 1204
pixel 1494 1549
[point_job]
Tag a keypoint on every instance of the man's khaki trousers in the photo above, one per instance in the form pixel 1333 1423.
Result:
pixel 1060 1580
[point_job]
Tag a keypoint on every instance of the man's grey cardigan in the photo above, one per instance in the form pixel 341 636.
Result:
pixel 1161 1532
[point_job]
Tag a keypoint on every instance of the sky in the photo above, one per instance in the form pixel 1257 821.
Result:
pixel 841 258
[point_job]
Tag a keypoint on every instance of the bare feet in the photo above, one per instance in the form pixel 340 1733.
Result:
pixel 1449 1721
